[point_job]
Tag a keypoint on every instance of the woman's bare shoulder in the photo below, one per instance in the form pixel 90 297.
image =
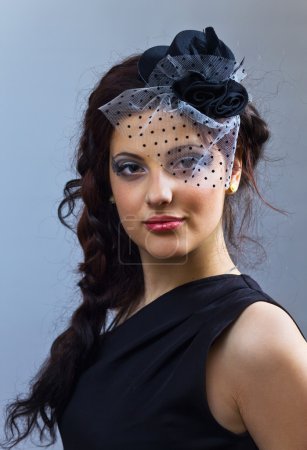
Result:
pixel 267 368
pixel 264 327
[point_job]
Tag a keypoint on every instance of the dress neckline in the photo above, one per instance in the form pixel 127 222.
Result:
pixel 155 303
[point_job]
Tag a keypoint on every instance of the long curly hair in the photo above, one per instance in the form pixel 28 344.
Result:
pixel 104 283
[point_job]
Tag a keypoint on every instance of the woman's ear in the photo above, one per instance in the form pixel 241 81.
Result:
pixel 237 167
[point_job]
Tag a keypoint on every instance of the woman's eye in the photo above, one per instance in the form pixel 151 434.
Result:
pixel 189 162
pixel 119 168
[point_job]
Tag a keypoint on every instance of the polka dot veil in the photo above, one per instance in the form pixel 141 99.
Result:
pixel 185 117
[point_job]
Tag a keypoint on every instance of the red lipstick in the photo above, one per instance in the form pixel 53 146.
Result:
pixel 160 219
pixel 164 226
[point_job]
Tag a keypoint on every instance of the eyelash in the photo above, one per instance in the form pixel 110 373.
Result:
pixel 119 167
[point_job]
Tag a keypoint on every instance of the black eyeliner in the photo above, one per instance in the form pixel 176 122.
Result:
pixel 115 166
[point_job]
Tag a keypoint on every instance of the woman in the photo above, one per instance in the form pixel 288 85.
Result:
pixel 198 355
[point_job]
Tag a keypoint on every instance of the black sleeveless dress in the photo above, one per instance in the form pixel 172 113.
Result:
pixel 146 388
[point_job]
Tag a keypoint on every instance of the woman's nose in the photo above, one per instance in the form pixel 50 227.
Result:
pixel 160 187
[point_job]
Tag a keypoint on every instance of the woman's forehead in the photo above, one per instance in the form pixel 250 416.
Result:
pixel 158 130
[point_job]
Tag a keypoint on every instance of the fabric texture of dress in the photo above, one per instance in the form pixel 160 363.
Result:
pixel 146 388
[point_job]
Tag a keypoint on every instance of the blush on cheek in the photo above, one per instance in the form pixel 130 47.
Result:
pixel 208 203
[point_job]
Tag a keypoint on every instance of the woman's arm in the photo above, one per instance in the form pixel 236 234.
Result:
pixel 269 377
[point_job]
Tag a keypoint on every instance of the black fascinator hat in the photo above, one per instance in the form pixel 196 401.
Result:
pixel 211 87
pixel 187 42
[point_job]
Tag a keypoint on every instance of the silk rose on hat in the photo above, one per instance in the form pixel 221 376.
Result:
pixel 217 100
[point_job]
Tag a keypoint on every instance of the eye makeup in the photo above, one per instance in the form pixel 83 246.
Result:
pixel 178 163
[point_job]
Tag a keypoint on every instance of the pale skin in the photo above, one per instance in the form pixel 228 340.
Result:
pixel 256 371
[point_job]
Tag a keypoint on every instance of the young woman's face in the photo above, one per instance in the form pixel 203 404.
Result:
pixel 143 188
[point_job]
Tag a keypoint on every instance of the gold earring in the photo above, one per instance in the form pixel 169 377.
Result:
pixel 232 189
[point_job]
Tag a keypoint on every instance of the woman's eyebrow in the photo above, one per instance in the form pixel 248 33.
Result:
pixel 169 151
pixel 128 154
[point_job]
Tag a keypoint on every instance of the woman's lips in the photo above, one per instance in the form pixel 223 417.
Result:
pixel 164 226
pixel 163 218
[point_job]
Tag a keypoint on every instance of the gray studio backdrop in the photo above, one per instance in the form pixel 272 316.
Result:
pixel 52 53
